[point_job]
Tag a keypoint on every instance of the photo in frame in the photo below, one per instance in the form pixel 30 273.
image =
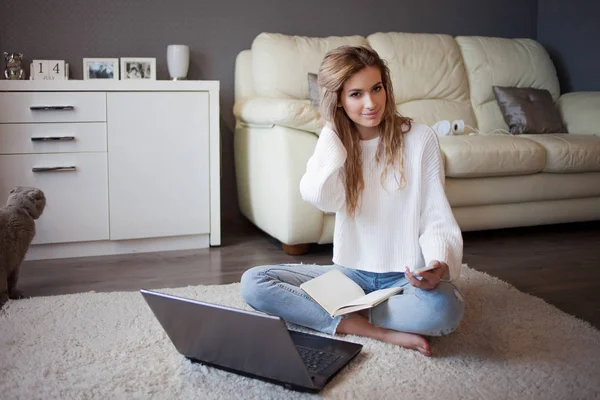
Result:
pixel 138 68
pixel 101 68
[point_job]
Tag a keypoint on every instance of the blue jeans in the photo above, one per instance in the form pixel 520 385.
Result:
pixel 274 289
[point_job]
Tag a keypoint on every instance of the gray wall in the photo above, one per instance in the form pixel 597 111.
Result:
pixel 570 30
pixel 217 30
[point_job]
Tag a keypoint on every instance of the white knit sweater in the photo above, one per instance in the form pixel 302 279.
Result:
pixel 393 227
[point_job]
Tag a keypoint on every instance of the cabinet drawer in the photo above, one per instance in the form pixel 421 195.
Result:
pixel 52 138
pixel 23 107
pixel 76 200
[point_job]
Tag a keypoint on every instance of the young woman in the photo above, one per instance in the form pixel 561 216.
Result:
pixel 383 177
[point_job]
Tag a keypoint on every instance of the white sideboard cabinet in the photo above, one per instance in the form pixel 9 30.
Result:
pixel 126 166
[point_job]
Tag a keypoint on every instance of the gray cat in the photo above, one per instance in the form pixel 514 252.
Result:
pixel 17 229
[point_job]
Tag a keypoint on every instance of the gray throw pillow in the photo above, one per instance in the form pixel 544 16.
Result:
pixel 528 110
pixel 314 91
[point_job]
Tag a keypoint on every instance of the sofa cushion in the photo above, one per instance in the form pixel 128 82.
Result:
pixel 266 112
pixel 428 75
pixel 314 90
pixel 503 62
pixel 528 110
pixel 569 153
pixel 579 112
pixel 473 156
pixel 280 63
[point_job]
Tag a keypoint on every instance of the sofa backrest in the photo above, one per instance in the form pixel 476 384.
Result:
pixel 435 77
pixel 503 62
pixel 428 75
pixel 281 63
pixel 244 87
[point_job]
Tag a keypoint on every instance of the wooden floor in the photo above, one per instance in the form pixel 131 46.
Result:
pixel 559 263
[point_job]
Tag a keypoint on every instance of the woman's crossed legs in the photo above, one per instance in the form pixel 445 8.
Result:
pixel 400 320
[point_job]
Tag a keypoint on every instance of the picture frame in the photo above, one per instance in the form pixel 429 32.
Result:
pixel 136 68
pixel 101 68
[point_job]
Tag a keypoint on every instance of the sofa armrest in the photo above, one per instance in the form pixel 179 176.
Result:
pixel 290 113
pixel 269 164
pixel 580 112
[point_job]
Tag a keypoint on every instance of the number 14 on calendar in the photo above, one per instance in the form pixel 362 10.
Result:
pixel 49 70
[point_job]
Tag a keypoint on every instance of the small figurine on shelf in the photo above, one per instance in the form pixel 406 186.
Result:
pixel 13 69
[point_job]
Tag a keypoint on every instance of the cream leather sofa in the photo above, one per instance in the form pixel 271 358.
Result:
pixel 492 180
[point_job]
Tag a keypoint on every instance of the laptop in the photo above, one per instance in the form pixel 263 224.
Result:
pixel 250 343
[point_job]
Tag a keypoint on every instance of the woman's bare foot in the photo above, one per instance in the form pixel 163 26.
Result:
pixel 408 340
pixel 357 324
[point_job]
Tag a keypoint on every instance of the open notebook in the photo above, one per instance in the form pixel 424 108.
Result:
pixel 340 295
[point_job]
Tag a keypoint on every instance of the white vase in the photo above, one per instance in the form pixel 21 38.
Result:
pixel 178 60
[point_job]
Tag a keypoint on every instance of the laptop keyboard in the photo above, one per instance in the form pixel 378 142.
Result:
pixel 316 361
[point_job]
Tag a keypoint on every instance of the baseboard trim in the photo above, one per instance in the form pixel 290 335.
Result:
pixel 108 247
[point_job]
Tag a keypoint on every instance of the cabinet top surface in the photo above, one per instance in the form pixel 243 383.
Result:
pixel 104 85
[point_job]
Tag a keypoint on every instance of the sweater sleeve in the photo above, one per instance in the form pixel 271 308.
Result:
pixel 439 235
pixel 322 183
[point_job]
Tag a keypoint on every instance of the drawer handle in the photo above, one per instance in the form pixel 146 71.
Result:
pixel 51 169
pixel 50 108
pixel 52 138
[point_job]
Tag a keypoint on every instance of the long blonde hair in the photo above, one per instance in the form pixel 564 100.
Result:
pixel 337 67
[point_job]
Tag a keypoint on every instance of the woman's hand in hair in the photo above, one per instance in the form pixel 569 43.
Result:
pixel 429 279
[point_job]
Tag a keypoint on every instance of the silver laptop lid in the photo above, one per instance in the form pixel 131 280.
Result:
pixel 241 340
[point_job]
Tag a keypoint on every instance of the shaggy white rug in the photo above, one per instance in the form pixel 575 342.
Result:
pixel 109 345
